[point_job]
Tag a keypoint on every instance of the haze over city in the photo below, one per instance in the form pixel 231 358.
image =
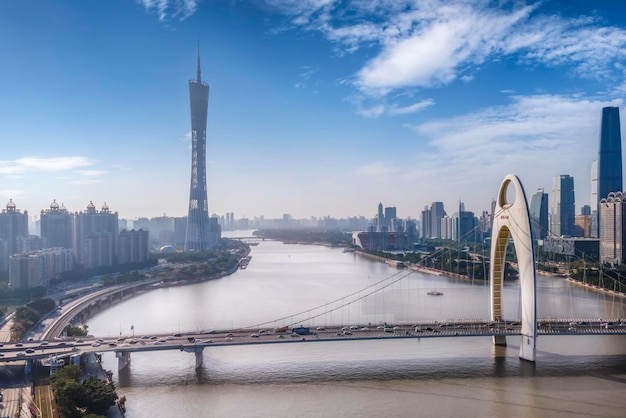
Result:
pixel 315 107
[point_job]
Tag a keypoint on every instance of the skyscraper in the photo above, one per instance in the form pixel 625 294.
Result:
pixel 96 235
pixel 610 154
pixel 57 226
pixel 390 218
pixel 612 238
pixel 539 214
pixel 563 206
pixel 13 224
pixel 431 220
pixel 198 236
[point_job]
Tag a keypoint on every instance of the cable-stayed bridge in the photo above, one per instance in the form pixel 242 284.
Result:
pixel 410 312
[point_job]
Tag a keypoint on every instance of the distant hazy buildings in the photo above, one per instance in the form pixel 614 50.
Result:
pixel 37 268
pixel 381 241
pixel 199 234
pixel 466 225
pixel 563 206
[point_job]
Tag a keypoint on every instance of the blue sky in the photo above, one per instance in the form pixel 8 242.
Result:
pixel 316 108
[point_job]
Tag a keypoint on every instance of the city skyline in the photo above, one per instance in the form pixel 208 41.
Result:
pixel 318 108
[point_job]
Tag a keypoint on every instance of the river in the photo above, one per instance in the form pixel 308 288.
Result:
pixel 443 377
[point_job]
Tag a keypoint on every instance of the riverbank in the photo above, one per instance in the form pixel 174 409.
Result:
pixel 595 288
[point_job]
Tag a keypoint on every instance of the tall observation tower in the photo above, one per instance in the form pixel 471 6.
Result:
pixel 198 236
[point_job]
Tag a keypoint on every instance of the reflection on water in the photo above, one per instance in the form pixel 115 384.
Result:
pixel 435 377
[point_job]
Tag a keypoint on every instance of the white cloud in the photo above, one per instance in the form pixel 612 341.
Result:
pixel 186 137
pixel 305 75
pixel 174 9
pixel 372 112
pixel 86 181
pixel 14 194
pixel 416 107
pixel 467 78
pixel 428 43
pixel 466 157
pixel 33 164
pixel 394 110
pixel 91 173
pixel 378 169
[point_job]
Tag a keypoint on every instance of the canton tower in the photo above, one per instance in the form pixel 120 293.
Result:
pixel 198 236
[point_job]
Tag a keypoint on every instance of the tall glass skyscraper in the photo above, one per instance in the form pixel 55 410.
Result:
pixel 198 236
pixel 539 214
pixel 563 210
pixel 610 154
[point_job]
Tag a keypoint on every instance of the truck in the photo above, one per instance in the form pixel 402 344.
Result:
pixel 301 330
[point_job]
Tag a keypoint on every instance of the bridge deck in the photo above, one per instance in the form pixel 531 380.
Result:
pixel 195 340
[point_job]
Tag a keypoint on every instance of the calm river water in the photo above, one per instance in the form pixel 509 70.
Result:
pixel 442 377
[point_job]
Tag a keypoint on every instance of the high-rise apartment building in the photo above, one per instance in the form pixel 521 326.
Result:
pixel 57 226
pixel 96 237
pixel 612 211
pixel 539 214
pixel 132 247
pixel 37 268
pixel 563 206
pixel 13 225
pixel 199 235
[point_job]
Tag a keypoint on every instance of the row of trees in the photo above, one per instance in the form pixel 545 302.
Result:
pixel 75 398
pixel 26 316
pixel 200 264
pixel 308 236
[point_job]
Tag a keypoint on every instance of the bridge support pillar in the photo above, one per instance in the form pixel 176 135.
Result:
pixel 197 350
pixel 28 368
pixel 123 359
pixel 198 359
pixel 499 340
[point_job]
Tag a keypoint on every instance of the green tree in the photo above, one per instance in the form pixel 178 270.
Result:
pixel 97 395
pixel 76 399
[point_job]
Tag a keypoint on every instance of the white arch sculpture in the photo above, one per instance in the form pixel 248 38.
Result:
pixel 512 219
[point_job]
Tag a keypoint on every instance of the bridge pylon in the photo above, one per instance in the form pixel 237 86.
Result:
pixel 512 220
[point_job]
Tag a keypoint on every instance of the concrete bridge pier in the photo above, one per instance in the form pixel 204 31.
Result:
pixel 499 340
pixel 198 352
pixel 28 368
pixel 123 359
